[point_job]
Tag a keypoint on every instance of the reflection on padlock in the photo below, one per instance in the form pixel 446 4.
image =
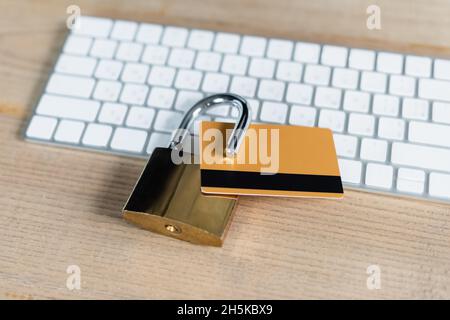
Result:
pixel 167 197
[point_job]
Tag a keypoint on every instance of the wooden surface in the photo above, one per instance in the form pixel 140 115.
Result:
pixel 62 207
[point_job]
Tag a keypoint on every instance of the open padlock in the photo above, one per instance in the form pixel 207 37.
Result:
pixel 167 198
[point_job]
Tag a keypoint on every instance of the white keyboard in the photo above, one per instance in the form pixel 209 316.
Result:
pixel 122 87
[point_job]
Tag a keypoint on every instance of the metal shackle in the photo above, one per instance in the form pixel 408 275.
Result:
pixel 239 130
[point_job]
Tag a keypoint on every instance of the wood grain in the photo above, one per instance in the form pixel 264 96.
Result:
pixel 61 207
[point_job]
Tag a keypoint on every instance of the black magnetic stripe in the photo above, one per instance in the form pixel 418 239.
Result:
pixel 278 181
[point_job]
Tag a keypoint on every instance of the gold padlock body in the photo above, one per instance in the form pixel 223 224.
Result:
pixel 167 200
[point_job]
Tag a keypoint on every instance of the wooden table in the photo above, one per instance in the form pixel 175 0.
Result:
pixel 62 207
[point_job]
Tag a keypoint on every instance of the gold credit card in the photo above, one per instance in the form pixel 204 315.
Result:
pixel 273 160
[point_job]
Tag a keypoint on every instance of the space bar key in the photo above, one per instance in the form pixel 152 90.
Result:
pixel 421 156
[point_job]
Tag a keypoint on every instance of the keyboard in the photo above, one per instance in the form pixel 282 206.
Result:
pixel 122 87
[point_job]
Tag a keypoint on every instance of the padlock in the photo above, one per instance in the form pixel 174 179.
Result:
pixel 167 198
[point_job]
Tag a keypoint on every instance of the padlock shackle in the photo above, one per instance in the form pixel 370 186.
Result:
pixel 239 130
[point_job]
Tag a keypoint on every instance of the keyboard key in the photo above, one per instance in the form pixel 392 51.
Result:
pixel 361 59
pixel 181 58
pixel 357 101
pixel 334 120
pixel 95 27
pixel 441 112
pixel 69 131
pixel 244 86
pixel 128 140
pixel 345 145
pixel 97 135
pixel 411 180
pixel 350 170
pixel 140 117
pixel 280 49
pixel 134 94
pixel 253 46
pixel 70 85
pixel 328 97
pixel 334 56
pixel 135 72
pixel 208 61
pixel 373 82
pixel 41 127
pixel 149 33
pixel 155 54
pixel 345 78
pixel 271 90
pixel 108 69
pixel 379 175
pixel 174 37
pixel 262 68
pixel 161 76
pixel 129 51
pixel 418 66
pixel 372 149
pixel 161 97
pixel 107 90
pixel 103 48
pixel 200 40
pixel 319 75
pixel 302 116
pixel 390 62
pixel 307 52
pixel 361 124
pixel 188 79
pixel 215 82
pixel 402 85
pixel 385 105
pixel 113 113
pixel 429 133
pixel 289 71
pixel 299 93
pixel 391 128
pixel 187 99
pixel 434 89
pixel 274 112
pixel 234 64
pixel 442 69
pixel 415 109
pixel 167 121
pixel 70 108
pixel 77 45
pixel 420 156
pixel 124 30
pixel 158 140
pixel 227 42
pixel 254 107
pixel 439 185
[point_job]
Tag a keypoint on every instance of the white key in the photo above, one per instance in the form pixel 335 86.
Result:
pixel 77 45
pixel 345 78
pixel 262 68
pixel 439 185
pixel 227 42
pixel 161 97
pixel 429 133
pixel 418 66
pixel 328 97
pixel 70 85
pixel 373 82
pixel 372 149
pixel 167 121
pixel 420 156
pixel 385 105
pixel 243 86
pixel 334 56
pixel 379 175
pixel 441 112
pixel 70 108
pixel 69 131
pixel 135 72
pixel 208 61
pixel 161 76
pixel 253 46
pixel 334 120
pixel 108 69
pixel 289 71
pixel 271 90
pixel 307 52
pixel 350 170
pixel 215 82
pixel 280 49
pixel 390 62
pixel 319 75
pixel 361 59
pixel 113 113
pixel 90 26
pixel 356 101
pixel 220 110
pixel 123 30
pixel 299 93
pixel 140 117
pixel 391 128
pixel 402 85
pixel 187 99
pixel 361 124
pixel 128 140
pixel 149 33
pixel 41 127
pixel 103 48
pixel 303 116
pixel 129 51
pixel 434 89
pixel 188 79
pixel 97 135
pixel 134 94
pixel 345 145
pixel 234 64
pixel 410 180
pixel 181 58
pixel 155 54
pixel 175 36
pixel 415 109
pixel 158 140
pixel 107 90
pixel 274 112
pixel 254 107
pixel 200 40
pixel 442 69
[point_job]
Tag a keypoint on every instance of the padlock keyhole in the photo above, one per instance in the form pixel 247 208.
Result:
pixel 173 229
